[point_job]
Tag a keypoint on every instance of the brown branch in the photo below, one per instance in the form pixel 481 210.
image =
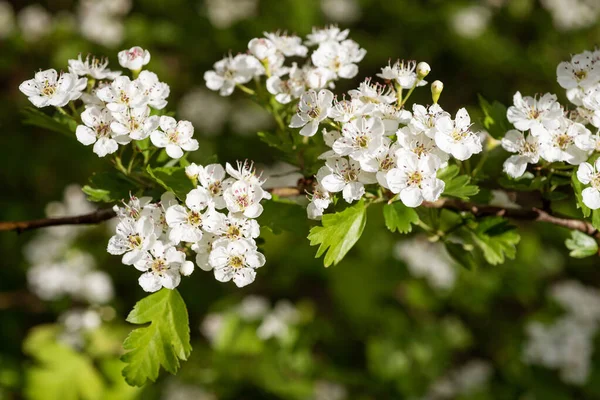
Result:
pixel 523 214
pixel 86 219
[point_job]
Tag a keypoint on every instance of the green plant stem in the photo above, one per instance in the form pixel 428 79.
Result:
pixel 245 89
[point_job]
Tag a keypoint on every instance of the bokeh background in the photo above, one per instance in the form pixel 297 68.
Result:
pixel 395 320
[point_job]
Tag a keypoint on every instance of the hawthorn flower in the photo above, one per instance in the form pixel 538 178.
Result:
pixel 155 91
pixel 360 138
pixel 193 171
pixel 347 110
pixel 560 144
pixel 48 88
pixel 266 52
pixel 376 93
pixel 93 67
pixel 415 178
pixel 232 71
pixel 174 136
pixel 339 58
pixel 527 149
pixel 320 199
pixel 455 137
pixel 97 130
pixel 591 102
pixel 535 114
pixel 383 160
pixel 392 116
pixel 203 248
pixel 244 197
pixel 419 144
pixel 163 266
pixel 403 73
pixel 132 239
pixel 288 45
pixel 590 175
pixel 186 223
pixel 312 109
pixel 346 176
pixel 236 227
pixel 137 122
pixel 425 119
pixel 134 58
pixel 246 172
pixel 135 209
pixel 212 178
pixel 582 71
pixel 236 261
pixel 328 34
pixel 122 93
pixel 285 90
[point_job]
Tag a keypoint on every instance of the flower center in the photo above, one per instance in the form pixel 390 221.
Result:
pixel 48 90
pixel 103 129
pixel 581 74
pixel 236 262
pixel 420 149
pixel 194 218
pixel 362 141
pixel 458 135
pixel 314 112
pixel 563 141
pixel 215 188
pixel 243 201
pixel 350 175
pixel 233 232
pixel 135 241
pixel 534 113
pixel 173 136
pixel 159 266
pixel 596 181
pixel 415 178
pixel 386 164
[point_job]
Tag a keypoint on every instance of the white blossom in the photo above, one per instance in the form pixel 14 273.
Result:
pixel 162 266
pixel 590 175
pixel 93 67
pixel 312 109
pixel 49 88
pixel 236 260
pixel 527 149
pixel 535 114
pixel 155 91
pixel 232 71
pixel 132 239
pixel 414 178
pixel 134 58
pixel 122 93
pixel 403 73
pixel 346 176
pixel 455 137
pixel 174 136
pixel 137 123
pixel 97 130
pixel 339 57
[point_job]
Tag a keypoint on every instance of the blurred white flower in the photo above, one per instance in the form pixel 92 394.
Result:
pixel 224 13
pixel 326 390
pixel 572 14
pixel 461 381
pixel 206 110
pixel 470 22
pixel 343 11
pixel 176 390
pixel 35 22
pixel 76 323
pixel 7 19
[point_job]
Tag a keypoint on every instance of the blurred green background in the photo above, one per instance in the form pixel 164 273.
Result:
pixel 389 322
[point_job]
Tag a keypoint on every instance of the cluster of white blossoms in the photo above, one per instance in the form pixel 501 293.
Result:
pixel 547 131
pixel 334 57
pixel 157 237
pixel 118 109
pixel 568 344
pixel 272 323
pixel 58 267
pixel 375 140
pixel 465 380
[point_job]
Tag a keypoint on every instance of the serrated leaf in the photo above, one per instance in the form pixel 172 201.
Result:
pixel 581 245
pixel 461 256
pixel 281 215
pixel 164 342
pixel 496 238
pixel 578 188
pixel 399 217
pixel 596 219
pixel 58 123
pixel 457 185
pixel 340 231
pixel 172 179
pixel 494 120
pixel 60 373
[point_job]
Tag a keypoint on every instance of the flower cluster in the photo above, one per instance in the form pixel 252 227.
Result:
pixel 117 109
pixel 334 57
pixel 157 237
pixel 375 140
pixel 546 132
pixel 568 343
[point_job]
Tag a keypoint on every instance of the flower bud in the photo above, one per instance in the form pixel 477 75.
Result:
pixel 436 90
pixel 423 70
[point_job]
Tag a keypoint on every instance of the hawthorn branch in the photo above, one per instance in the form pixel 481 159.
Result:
pixel 521 214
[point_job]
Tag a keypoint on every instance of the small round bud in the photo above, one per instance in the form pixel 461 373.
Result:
pixel 436 90
pixel 423 69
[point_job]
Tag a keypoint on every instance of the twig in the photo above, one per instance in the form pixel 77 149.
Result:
pixel 86 219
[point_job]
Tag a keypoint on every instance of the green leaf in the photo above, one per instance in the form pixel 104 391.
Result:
pixel 108 187
pixel 164 342
pixel 581 245
pixel 578 188
pixel 340 231
pixel 281 215
pixel 60 373
pixel 496 238
pixel 457 185
pixel 462 256
pixel 494 121
pixel 399 217
pixel 172 179
pixel 58 123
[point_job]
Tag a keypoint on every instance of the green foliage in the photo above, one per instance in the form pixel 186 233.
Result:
pixel 60 373
pixel 280 215
pixel 172 179
pixel 164 342
pixel 58 123
pixel 494 120
pixel 578 188
pixel 581 245
pixel 108 187
pixel 340 231
pixel 496 238
pixel 399 217
pixel 457 185
pixel 527 183
pixel 464 257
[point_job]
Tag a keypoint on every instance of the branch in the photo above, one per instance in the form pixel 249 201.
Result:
pixel 86 219
pixel 523 214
